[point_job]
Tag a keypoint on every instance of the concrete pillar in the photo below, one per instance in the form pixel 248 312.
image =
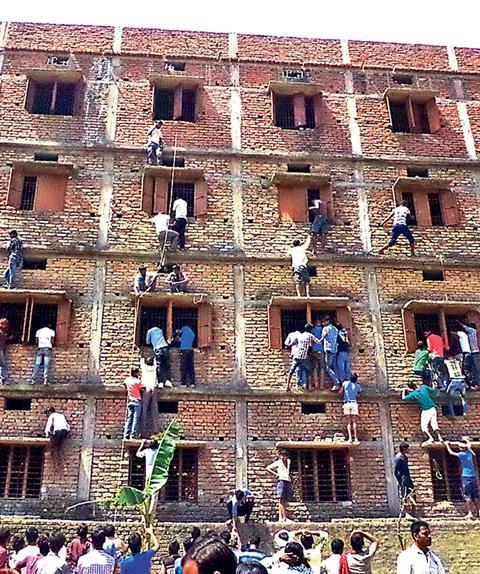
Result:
pixel 388 454
pixel 86 450
pixel 241 444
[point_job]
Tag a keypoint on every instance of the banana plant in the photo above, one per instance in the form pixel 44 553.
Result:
pixel 145 501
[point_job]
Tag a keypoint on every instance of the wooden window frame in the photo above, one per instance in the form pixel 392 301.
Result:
pixel 155 193
pixel 293 202
pixel 411 99
pixel 55 81
pixel 299 104
pixel 24 470
pixel 446 479
pixel 448 204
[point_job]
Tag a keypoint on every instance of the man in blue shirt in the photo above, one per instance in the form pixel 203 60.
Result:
pixel 156 339
pixel 469 475
pixel 186 336
pixel 140 562
pixel 240 504
pixel 317 357
pixel 329 340
pixel 351 389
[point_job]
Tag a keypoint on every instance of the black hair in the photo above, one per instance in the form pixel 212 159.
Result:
pixel 134 372
pixel 31 534
pixel 82 530
pixel 173 547
pixel 4 535
pixel 109 530
pixel 149 361
pixel 49 410
pixel 14 233
pixel 296 550
pixel 307 541
pixel 254 541
pixel 135 542
pixel 354 377
pixel 308 327
pixel 337 546
pixel 212 555
pixel 153 443
pixel 98 538
pixel 18 542
pixel 403 447
pixel 296 242
pixel 225 536
pixel 357 541
pixel 251 567
pixel 43 544
pixel 57 541
pixel 187 544
pixel 239 494
pixel 412 386
pixel 416 526
pixel 421 344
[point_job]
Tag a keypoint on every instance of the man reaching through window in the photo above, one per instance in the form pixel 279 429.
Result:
pixel 400 227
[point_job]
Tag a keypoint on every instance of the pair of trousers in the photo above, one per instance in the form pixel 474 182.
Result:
pixel 154 153
pixel 58 437
pixel 244 509
pixel 10 276
pixel 43 354
pixel 299 366
pixel 168 235
pixel 133 420
pixel 150 413
pixel 187 367
pixel 3 365
pixel 476 368
pixel 441 372
pixel 179 226
pixel 164 368
pixel 330 366
pixel 343 366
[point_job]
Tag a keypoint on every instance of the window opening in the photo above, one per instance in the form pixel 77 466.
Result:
pixel 309 112
pixel 284 114
pixel 435 209
pixel 292 320
pixel 45 156
pixel 402 78
pixel 408 197
pixel 152 317
pixel 426 322
pixel 168 407
pixel 314 408
pixel 20 471
pixel 188 105
pixel 298 167
pixel 399 115
pixel 28 193
pixel 432 275
pixel 175 66
pixel 18 404
pixel 43 314
pixel 34 264
pixel 163 104
pixel 417 171
pixel 184 191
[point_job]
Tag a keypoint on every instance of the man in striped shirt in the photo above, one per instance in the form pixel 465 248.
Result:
pixel 97 561
pixel 305 340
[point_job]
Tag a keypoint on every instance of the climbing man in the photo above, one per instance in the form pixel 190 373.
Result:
pixel 177 280
pixel 301 276
pixel 179 213
pixel 57 428
pixel 161 349
pixel 167 237
pixel 14 260
pixel 305 340
pixel 400 227
pixel 155 143
pixel 145 281
pixel 320 225
pixel 44 338
pixel 351 389
pixel 405 482
pixel 423 396
pixel 469 475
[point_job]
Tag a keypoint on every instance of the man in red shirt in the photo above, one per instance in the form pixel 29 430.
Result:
pixel 437 353
pixel 134 405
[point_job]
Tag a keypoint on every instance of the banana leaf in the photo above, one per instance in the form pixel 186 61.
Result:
pixel 129 496
pixel 166 451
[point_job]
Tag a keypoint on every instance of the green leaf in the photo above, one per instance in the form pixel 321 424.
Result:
pixel 163 459
pixel 129 496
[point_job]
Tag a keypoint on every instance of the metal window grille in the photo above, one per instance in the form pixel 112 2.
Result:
pixel 284 114
pixel 421 117
pixel 446 476
pixel 398 111
pixel 323 475
pixel 412 218
pixel 292 320
pixel 312 195
pixel 188 105
pixel 309 112
pixel 21 470
pixel 163 104
pixel 185 316
pixel 28 192
pixel 321 313
pixel 42 100
pixel 15 313
pixel 184 191
pixel 435 209
pixel 43 314
pixel 64 100
pixel 152 317
pixel 136 471
pixel 426 322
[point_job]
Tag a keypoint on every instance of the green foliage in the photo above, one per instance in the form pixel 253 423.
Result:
pixel 163 459
pixel 129 496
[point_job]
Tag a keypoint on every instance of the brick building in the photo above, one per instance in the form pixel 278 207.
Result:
pixel 261 125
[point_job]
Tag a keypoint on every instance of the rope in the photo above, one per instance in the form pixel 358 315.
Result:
pixel 162 258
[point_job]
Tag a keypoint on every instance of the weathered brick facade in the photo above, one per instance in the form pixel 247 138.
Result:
pixel 236 253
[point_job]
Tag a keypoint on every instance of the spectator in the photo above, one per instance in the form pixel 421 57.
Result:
pixel 18 544
pixel 351 389
pixel 186 337
pixel 140 562
pixel 78 547
pixel 134 405
pixel 57 428
pixel 343 354
pixel 156 339
pixel 301 276
pixel 471 330
pixel 113 545
pixel 5 336
pixel 210 555
pixel 280 469
pixel 251 567
pixel 148 452
pixel 155 143
pixel 5 536
pixel 44 339
pixel 418 558
pixel 320 225
pixel 301 374
pixel 240 504
pixel 149 424
pixel 14 260
pixel 359 560
pixel 195 533
pixel 400 227
pixel 469 475
pixel 420 361
pixel 252 552
pixel 173 556
pixel 332 564
pixel 179 213
pixel 330 345
pixel 31 549
pixel 145 281
pixel 317 357
pixel 292 561
pixel 313 552
pixel 97 561
pixel 177 280
pixel 423 396
pixel 53 563
pixel 304 342
pixel 28 564
pixel 405 482
pixel 437 354
pixel 167 237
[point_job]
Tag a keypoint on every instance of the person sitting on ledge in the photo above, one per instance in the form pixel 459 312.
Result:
pixel 177 280
pixel 145 281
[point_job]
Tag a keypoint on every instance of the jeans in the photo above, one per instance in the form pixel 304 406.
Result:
pixel 440 372
pixel 476 368
pixel 132 424
pixel 456 395
pixel 179 226
pixel 154 153
pixel 244 509
pixel 401 229
pixel 180 288
pixel 187 367
pixel 10 277
pixel 343 366
pixel 43 354
pixel 166 236
pixel 3 365
pixel 330 366
pixel 164 369
pixel 299 367
pixel 149 413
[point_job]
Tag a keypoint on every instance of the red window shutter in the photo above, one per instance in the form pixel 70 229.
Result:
pixel 409 331
pixel 344 316
pixel 177 103
pixel 160 199
pixel 79 97
pixel 449 203
pixel 148 183
pixel 292 204
pixel 326 195
pixel 30 95
pixel 274 327
pixel 434 118
pixel 205 313
pixel 201 198
pixel 50 193
pixel 63 322
pixel 412 120
pixel 317 106
pixel 137 327
pixel 422 209
pixel 15 187
pixel 299 110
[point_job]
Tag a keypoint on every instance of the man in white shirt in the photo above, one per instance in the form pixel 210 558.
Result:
pixel 150 416
pixel 96 561
pixel 57 427
pixel 44 338
pixel 179 212
pixel 331 565
pixel 418 558
pixel 292 342
pixel 165 235
pixel 281 470
pixel 148 452
pixel 400 227
pixel 359 559
pixel 301 277
pixel 31 536
pixel 54 562
pixel 155 143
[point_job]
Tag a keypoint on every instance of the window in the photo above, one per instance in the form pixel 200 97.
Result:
pixel 431 202
pixel 29 189
pixel 35 190
pixel 175 66
pixel 18 404
pixel 322 475
pixel 294 201
pixel 51 97
pixel 298 167
pixel 170 317
pixel 296 111
pixel 171 161
pixel 182 483
pixel 34 264
pixel 417 171
pixel 168 407
pixel 157 193
pixel 295 74
pixel 62 61
pixel 45 156
pixel 432 275
pixel 184 191
pixel 314 408
pixel 412 111
pixel 446 475
pixel 174 104
pixel 21 470
pixel 292 320
pixel 31 314
pixel 402 78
